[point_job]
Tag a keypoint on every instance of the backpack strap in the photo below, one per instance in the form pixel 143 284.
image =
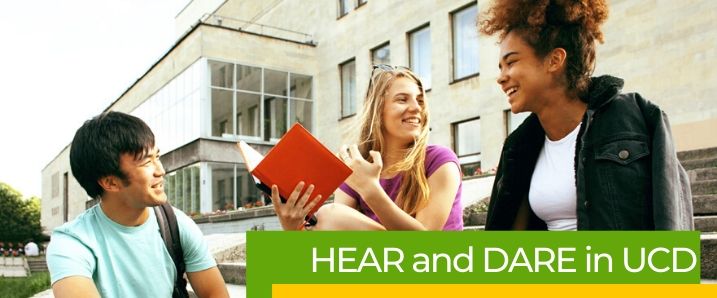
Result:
pixel 169 230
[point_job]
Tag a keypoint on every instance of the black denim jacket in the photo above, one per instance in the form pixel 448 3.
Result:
pixel 627 173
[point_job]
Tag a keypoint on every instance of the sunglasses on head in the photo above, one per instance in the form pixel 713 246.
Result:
pixel 381 68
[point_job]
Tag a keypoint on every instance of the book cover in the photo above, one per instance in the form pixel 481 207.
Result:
pixel 298 156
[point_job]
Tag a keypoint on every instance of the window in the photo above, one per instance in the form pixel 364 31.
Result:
pixel 348 88
pixel 258 103
pixel 229 186
pixel 275 109
pixel 248 114
pixel 300 105
pixel 55 184
pixel 222 120
pixel 275 103
pixel 222 186
pixel 65 197
pixel 466 143
pixel 173 112
pixel 512 121
pixel 232 187
pixel 183 189
pixel 248 78
pixel 345 7
pixel 381 55
pixel 222 74
pixel 420 54
pixel 465 42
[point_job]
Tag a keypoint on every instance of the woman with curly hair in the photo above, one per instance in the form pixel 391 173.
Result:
pixel 589 157
pixel 399 182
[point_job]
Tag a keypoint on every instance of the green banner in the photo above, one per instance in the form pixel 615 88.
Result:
pixel 470 258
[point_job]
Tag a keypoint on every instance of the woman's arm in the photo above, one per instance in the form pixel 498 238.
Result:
pixel 443 184
pixel 341 197
pixel 343 215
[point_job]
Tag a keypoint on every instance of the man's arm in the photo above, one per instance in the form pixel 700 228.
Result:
pixel 75 286
pixel 71 265
pixel 202 271
pixel 208 283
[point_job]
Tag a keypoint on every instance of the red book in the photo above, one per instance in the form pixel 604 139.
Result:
pixel 298 156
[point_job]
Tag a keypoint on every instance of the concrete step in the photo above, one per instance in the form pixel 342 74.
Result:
pixel 702 174
pixel 708 256
pixel 37 264
pixel 700 163
pixel 233 273
pixel 705 187
pixel 474 228
pixel 706 223
pixel 705 204
pixel 39 269
pixel 697 154
pixel 476 219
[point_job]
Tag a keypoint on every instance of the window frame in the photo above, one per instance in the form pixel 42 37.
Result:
pixel 341 83
pixel 478 156
pixel 410 57
pixel 454 131
pixel 264 136
pixel 452 14
pixel 378 47
pixel 349 9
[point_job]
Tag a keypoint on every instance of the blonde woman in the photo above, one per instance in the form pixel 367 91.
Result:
pixel 399 182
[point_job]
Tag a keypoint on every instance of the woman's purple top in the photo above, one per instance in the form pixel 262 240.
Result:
pixel 436 156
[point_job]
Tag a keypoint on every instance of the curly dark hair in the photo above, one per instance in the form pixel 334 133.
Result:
pixel 572 25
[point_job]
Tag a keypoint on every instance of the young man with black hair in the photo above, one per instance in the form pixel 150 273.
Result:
pixel 115 248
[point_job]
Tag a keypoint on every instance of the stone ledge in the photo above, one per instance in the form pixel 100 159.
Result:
pixel 700 163
pixel 706 223
pixel 709 256
pixel 705 204
pixel 263 211
pixel 704 187
pixel 703 174
pixel 233 273
pixel 697 154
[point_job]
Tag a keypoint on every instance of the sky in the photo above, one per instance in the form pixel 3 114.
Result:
pixel 63 62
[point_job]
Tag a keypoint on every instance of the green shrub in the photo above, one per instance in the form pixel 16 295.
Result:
pixel 23 287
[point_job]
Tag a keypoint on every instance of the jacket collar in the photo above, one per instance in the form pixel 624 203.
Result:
pixel 602 90
pixel 530 134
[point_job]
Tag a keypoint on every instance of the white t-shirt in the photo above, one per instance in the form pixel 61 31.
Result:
pixel 553 195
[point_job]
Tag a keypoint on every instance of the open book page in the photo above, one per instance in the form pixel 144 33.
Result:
pixel 251 157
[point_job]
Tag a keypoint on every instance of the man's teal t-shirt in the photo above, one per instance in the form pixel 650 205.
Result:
pixel 124 261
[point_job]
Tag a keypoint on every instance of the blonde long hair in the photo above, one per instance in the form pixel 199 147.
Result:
pixel 413 193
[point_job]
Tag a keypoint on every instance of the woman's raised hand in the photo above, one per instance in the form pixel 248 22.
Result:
pixel 365 174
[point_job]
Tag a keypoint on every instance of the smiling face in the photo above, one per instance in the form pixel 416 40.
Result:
pixel 144 183
pixel 523 76
pixel 402 115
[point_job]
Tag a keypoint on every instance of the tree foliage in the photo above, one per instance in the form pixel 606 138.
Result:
pixel 19 218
